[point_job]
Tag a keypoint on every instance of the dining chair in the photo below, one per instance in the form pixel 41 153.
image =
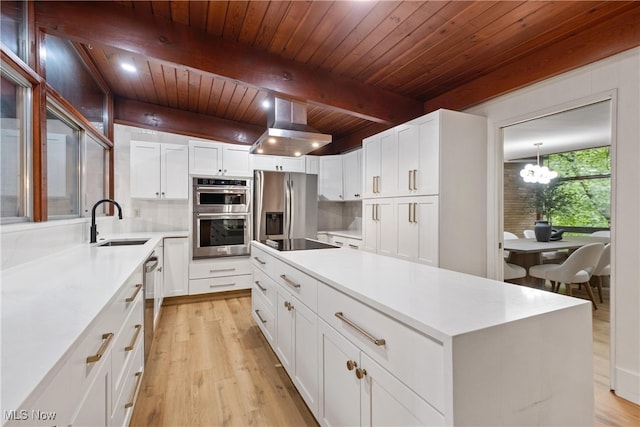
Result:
pixel 576 269
pixel 547 257
pixel 513 271
pixel 507 235
pixel 603 268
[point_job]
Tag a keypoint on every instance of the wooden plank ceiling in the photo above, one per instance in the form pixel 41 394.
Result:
pixel 360 65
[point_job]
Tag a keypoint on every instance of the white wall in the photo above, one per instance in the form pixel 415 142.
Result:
pixel 617 77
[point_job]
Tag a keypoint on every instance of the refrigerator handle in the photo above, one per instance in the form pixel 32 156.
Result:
pixel 259 188
pixel 292 204
pixel 287 208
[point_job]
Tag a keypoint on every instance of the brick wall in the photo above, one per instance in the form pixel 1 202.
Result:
pixel 518 215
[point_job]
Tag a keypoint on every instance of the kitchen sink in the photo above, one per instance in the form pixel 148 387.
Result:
pixel 124 242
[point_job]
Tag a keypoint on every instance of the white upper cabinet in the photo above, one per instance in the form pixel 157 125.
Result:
pixel 330 178
pixel 218 159
pixel 312 164
pixel 380 164
pixel 159 171
pixel 352 175
pixel 278 163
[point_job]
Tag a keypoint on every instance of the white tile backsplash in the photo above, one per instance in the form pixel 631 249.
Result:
pixel 340 216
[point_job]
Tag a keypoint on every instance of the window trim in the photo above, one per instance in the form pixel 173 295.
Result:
pixel 26 130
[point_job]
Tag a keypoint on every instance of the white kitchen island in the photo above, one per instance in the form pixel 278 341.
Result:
pixel 372 340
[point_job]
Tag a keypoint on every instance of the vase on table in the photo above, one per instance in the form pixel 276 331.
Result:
pixel 542 230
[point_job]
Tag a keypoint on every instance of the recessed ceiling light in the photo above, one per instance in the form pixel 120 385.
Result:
pixel 260 151
pixel 272 140
pixel 128 67
pixel 266 104
pixel 297 154
pixel 315 144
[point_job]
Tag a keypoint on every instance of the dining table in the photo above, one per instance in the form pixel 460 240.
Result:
pixel 527 252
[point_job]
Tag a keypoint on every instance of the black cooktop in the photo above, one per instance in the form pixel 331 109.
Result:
pixel 296 244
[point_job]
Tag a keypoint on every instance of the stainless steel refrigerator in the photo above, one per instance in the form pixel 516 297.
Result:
pixel 285 205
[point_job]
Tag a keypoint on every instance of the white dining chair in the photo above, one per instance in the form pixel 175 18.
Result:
pixel 547 257
pixel 603 269
pixel 577 269
pixel 513 271
pixel 507 235
pixel 601 233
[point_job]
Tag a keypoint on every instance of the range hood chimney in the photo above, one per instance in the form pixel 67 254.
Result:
pixel 287 131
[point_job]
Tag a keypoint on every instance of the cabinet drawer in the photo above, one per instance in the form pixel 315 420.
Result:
pixel 124 403
pixel 346 242
pixel 264 286
pixel 302 286
pixel 415 359
pixel 219 284
pixel 263 315
pixel 219 268
pixel 130 337
pixel 262 260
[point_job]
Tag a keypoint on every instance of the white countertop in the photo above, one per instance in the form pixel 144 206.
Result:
pixel 49 302
pixel 438 302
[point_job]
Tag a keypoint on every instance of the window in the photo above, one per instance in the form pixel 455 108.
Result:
pixel 14 27
pixel 585 181
pixel 15 153
pixel 63 166
pixel 96 174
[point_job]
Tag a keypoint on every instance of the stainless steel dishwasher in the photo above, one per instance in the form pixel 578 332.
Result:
pixel 148 283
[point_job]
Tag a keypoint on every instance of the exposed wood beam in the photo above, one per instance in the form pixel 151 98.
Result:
pixel 620 33
pixel 154 36
pixel 165 119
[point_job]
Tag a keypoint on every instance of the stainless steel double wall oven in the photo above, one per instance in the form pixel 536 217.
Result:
pixel 221 217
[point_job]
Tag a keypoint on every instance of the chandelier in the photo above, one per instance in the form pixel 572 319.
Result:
pixel 536 173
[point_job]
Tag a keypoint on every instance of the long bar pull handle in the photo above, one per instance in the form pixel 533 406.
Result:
pixel 409 206
pixel 373 212
pixel 410 180
pixel 106 340
pixel 353 246
pixel 132 402
pixel 135 338
pixel 263 289
pixel 377 211
pixel 289 281
pixel 415 179
pixel 221 270
pixel 259 316
pixel 135 294
pixel 376 341
pixel 259 260
pixel 415 213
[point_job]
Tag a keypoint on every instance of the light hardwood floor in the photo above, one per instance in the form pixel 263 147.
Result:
pixel 210 366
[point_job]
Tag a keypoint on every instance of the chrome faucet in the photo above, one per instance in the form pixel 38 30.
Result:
pixel 94 227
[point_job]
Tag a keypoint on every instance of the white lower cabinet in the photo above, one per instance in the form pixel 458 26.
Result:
pixel 379 233
pixel 176 266
pixel 417 227
pixel 355 390
pixel 219 275
pixel 87 384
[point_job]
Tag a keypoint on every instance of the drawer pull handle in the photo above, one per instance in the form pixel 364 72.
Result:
pixel 337 242
pixel 351 364
pixel 288 305
pixel 135 294
pixel 289 281
pixel 376 341
pixel 106 340
pixel 131 402
pixel 222 284
pixel 221 270
pixel 260 317
pixel 135 338
pixel 353 246
pixel 259 260
pixel 257 282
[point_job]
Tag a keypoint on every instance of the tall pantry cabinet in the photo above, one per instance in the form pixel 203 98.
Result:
pixel 425 191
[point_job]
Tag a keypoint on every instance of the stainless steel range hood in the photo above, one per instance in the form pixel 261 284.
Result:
pixel 287 131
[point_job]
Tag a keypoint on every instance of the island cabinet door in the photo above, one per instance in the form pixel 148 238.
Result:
pixel 305 354
pixel 284 330
pixel 94 407
pixel 339 386
pixel 386 401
